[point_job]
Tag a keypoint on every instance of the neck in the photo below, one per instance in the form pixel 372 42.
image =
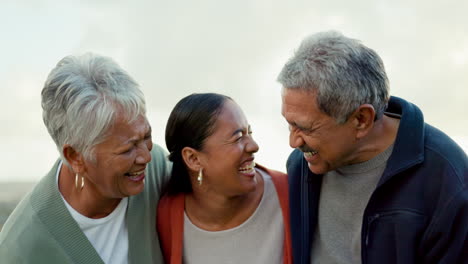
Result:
pixel 87 200
pixel 382 135
pixel 214 212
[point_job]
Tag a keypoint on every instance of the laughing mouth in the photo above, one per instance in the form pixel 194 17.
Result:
pixel 249 168
pixel 309 154
pixel 134 174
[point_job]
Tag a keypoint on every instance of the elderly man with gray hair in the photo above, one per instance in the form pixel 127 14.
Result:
pixel 370 181
pixel 98 202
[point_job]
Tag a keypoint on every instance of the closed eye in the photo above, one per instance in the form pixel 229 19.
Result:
pixel 297 128
pixel 127 151
pixel 238 136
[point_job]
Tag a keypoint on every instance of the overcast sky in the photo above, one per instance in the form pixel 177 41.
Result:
pixel 174 48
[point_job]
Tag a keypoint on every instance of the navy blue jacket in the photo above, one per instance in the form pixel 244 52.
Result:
pixel 418 212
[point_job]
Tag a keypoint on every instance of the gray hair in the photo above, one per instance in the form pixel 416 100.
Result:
pixel 343 72
pixel 81 98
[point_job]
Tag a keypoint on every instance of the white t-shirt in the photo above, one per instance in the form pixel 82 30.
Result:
pixel 259 239
pixel 108 235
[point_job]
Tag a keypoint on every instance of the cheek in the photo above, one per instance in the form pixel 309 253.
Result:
pixel 231 155
pixel 312 142
pixel 121 164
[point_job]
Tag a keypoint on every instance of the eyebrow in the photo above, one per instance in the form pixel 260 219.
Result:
pixel 133 140
pixel 294 124
pixel 240 130
pixel 299 126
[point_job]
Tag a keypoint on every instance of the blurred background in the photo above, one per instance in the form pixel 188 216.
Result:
pixel 174 48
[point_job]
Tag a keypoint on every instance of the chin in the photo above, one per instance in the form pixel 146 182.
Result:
pixel 135 190
pixel 252 186
pixel 317 169
pixel 247 188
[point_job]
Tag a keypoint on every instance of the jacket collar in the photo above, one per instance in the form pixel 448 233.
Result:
pixel 51 210
pixel 408 149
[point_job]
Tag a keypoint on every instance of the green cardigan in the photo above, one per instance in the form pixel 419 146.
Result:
pixel 41 229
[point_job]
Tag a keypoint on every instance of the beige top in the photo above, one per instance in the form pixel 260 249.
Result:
pixel 258 240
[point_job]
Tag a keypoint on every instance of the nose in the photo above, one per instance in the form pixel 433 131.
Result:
pixel 143 153
pixel 295 139
pixel 252 146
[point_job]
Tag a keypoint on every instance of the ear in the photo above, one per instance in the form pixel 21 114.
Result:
pixel 363 120
pixel 74 158
pixel 191 158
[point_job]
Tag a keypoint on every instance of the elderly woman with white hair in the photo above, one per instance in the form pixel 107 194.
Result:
pixel 97 204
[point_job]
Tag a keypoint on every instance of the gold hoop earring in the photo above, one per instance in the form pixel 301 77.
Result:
pixel 200 176
pixel 76 182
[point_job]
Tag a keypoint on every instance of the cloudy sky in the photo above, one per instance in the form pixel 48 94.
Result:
pixel 174 48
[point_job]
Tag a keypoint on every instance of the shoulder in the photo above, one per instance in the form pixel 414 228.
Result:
pixel 272 173
pixel 295 162
pixel 169 202
pixel 159 169
pixel 170 224
pixel 170 214
pixel 280 181
pixel 25 213
pixel 276 176
pixel 28 235
pixel 23 235
pixel 159 159
pixel 294 158
pixel 443 154
pixel 158 156
pixel 19 219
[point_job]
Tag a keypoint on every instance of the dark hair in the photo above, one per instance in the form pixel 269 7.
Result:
pixel 190 123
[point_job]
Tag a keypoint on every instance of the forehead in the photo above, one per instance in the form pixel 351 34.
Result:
pixel 230 118
pixel 299 106
pixel 123 129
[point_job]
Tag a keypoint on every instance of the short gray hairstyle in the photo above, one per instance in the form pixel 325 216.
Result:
pixel 81 98
pixel 344 73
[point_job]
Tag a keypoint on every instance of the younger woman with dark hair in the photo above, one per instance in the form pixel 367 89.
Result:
pixel 220 206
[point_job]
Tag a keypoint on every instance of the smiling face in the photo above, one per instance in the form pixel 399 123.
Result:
pixel 227 155
pixel 326 144
pixel 119 168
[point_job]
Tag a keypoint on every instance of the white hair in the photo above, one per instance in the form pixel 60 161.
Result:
pixel 343 72
pixel 81 98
